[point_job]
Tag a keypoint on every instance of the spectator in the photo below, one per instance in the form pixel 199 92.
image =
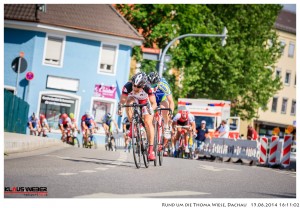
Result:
pixel 202 134
pixel 224 129
pixel 251 133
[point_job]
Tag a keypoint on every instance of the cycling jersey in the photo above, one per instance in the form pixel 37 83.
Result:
pixel 183 122
pixel 65 121
pixel 162 90
pixel 107 120
pixel 44 122
pixel 88 121
pixel 127 123
pixel 142 96
pixel 33 121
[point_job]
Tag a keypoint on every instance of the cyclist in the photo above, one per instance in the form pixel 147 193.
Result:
pixel 139 91
pixel 74 126
pixel 42 125
pixel 64 123
pixel 126 126
pixel 107 122
pixel 87 124
pixel 164 99
pixel 184 118
pixel 33 124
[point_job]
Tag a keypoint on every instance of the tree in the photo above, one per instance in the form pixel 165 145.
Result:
pixel 242 71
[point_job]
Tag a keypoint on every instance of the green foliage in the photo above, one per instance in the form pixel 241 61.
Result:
pixel 242 70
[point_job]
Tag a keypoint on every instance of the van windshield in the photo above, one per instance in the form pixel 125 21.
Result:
pixel 210 121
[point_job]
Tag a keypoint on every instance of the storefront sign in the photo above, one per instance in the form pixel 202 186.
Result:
pixel 57 101
pixel 105 91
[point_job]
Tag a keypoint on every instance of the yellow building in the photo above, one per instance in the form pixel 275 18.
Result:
pixel 282 107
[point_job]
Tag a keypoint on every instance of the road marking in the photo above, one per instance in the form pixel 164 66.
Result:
pixel 88 171
pixel 146 195
pixel 110 166
pixel 101 168
pixel 215 169
pixel 67 174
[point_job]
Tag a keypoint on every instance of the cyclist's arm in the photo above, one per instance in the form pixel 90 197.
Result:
pixel 171 102
pixel 153 102
pixel 116 125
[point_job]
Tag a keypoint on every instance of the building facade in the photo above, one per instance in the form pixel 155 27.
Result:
pixel 282 107
pixel 79 56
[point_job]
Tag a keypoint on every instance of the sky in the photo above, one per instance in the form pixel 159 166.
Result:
pixel 290 7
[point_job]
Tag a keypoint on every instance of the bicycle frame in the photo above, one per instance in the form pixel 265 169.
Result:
pixel 158 140
pixel 139 144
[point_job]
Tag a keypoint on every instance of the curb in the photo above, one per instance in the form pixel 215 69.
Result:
pixel 16 143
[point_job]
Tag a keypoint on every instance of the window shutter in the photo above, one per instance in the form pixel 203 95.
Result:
pixel 54 48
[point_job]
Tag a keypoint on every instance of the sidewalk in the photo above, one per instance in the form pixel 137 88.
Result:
pixel 16 143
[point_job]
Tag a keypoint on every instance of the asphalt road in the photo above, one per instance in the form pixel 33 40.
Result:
pixel 69 172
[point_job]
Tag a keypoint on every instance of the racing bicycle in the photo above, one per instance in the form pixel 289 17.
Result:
pixel 158 135
pixel 139 136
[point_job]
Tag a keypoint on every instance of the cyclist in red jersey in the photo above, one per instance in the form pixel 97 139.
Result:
pixel 184 119
pixel 64 123
pixel 139 91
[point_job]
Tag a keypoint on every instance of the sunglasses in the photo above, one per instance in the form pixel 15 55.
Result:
pixel 137 86
pixel 154 85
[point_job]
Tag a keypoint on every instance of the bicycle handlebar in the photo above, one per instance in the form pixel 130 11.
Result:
pixel 134 105
pixel 184 127
pixel 168 109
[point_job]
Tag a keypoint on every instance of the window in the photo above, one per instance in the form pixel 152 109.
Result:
pixel 295 80
pixel 291 49
pixel 100 107
pixel 278 72
pixel 282 43
pixel 52 106
pixel 293 109
pixel 274 104
pixel 108 59
pixel 284 105
pixel 10 89
pixel 287 78
pixel 54 48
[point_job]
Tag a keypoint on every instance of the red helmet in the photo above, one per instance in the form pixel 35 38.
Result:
pixel 42 116
pixel 64 116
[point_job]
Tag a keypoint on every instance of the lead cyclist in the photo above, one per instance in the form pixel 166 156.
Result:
pixel 164 99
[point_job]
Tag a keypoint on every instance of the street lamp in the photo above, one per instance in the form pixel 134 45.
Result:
pixel 223 43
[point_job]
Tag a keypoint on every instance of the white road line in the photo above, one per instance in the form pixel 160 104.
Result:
pixel 101 168
pixel 88 171
pixel 110 166
pixel 147 195
pixel 67 174
pixel 215 169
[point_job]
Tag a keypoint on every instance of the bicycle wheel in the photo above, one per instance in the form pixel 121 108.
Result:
pixel 76 142
pixel 145 152
pixel 161 144
pixel 155 145
pixel 136 147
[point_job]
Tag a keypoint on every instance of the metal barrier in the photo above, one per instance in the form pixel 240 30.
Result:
pixel 231 149
pixel 15 113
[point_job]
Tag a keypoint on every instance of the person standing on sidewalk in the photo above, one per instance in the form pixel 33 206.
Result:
pixel 202 134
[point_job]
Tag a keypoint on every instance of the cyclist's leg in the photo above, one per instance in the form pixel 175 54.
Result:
pixel 148 119
pixel 129 112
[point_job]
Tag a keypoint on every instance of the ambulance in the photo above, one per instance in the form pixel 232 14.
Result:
pixel 213 112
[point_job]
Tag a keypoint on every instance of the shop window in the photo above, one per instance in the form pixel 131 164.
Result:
pixel 52 106
pixel 100 108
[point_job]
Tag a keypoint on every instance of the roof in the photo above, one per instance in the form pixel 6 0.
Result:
pixel 286 21
pixel 99 18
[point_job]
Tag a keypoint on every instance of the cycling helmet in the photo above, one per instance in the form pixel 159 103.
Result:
pixel 109 115
pixel 153 78
pixel 64 116
pixel 42 116
pixel 140 79
pixel 71 115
